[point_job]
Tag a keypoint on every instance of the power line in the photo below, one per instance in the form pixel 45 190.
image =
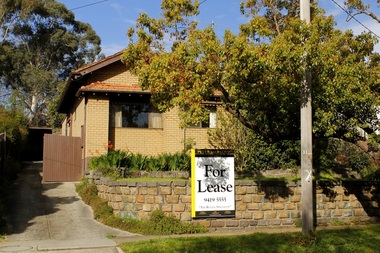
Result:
pixel 352 17
pixel 83 6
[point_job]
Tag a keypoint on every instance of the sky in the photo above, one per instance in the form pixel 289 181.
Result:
pixel 111 18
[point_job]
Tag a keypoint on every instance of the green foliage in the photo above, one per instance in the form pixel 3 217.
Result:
pixel 251 151
pixel 112 163
pixel 55 119
pixel 179 162
pixel 160 224
pixel 359 162
pixel 137 162
pixel 157 224
pixel 258 71
pixel 15 127
pixel 41 42
pixel 14 124
pixel 89 194
pixel 188 144
pixel 159 163
pixel 169 162
pixel 337 156
pixel 87 191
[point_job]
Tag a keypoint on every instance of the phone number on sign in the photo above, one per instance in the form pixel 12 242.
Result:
pixel 218 199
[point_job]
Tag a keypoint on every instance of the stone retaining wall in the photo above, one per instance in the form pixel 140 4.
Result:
pixel 258 204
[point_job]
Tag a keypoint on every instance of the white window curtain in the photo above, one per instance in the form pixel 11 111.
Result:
pixel 212 120
pixel 118 120
pixel 155 120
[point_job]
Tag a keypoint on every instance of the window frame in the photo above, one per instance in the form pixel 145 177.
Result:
pixel 153 117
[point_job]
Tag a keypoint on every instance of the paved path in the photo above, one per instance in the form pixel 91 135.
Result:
pixel 51 217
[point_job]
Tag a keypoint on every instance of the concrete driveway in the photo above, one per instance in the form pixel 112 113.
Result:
pixel 51 217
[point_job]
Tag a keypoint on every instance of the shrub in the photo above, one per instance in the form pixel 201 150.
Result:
pixel 87 191
pixel 137 162
pixel 169 162
pixel 156 163
pixel 161 224
pixel 179 162
pixel 335 155
pixel 113 159
pixel 111 164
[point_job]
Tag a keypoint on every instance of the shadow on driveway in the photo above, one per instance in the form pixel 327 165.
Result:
pixel 50 211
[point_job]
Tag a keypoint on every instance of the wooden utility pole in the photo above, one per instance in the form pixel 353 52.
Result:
pixel 306 139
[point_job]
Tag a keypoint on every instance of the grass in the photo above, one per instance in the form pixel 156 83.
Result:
pixel 363 239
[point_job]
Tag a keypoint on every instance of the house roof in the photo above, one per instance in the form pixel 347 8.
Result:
pixel 98 64
pixel 76 80
pixel 110 88
pixel 77 84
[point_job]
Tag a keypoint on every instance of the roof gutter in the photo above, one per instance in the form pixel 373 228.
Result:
pixel 82 91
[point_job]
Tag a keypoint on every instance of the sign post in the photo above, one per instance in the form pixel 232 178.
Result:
pixel 212 183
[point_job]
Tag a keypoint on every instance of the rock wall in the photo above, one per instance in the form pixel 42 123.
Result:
pixel 258 203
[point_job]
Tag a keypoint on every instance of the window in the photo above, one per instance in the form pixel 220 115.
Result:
pixel 210 122
pixel 138 115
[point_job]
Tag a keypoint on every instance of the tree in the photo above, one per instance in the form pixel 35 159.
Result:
pixel 11 10
pixel 258 71
pixel 41 43
pixel 359 7
pixel 251 152
pixel 13 123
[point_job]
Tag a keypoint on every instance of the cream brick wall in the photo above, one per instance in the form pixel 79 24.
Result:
pixel 200 137
pixel 137 140
pixel 64 130
pixel 97 121
pixel 174 136
pixel 115 73
pixel 78 118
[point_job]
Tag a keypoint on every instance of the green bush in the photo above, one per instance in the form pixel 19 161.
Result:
pixel 115 162
pixel 110 164
pixel 87 191
pixel 160 224
pixel 169 162
pixel 333 155
pixel 113 159
pixel 179 162
pixel 359 162
pixel 137 162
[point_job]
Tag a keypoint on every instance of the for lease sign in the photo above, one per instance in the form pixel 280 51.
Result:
pixel 212 183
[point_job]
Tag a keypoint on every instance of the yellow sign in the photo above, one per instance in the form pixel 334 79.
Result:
pixel 212 183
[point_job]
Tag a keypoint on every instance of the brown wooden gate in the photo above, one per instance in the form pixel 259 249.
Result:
pixel 62 158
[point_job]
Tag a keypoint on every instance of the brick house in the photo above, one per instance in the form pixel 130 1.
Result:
pixel 104 104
